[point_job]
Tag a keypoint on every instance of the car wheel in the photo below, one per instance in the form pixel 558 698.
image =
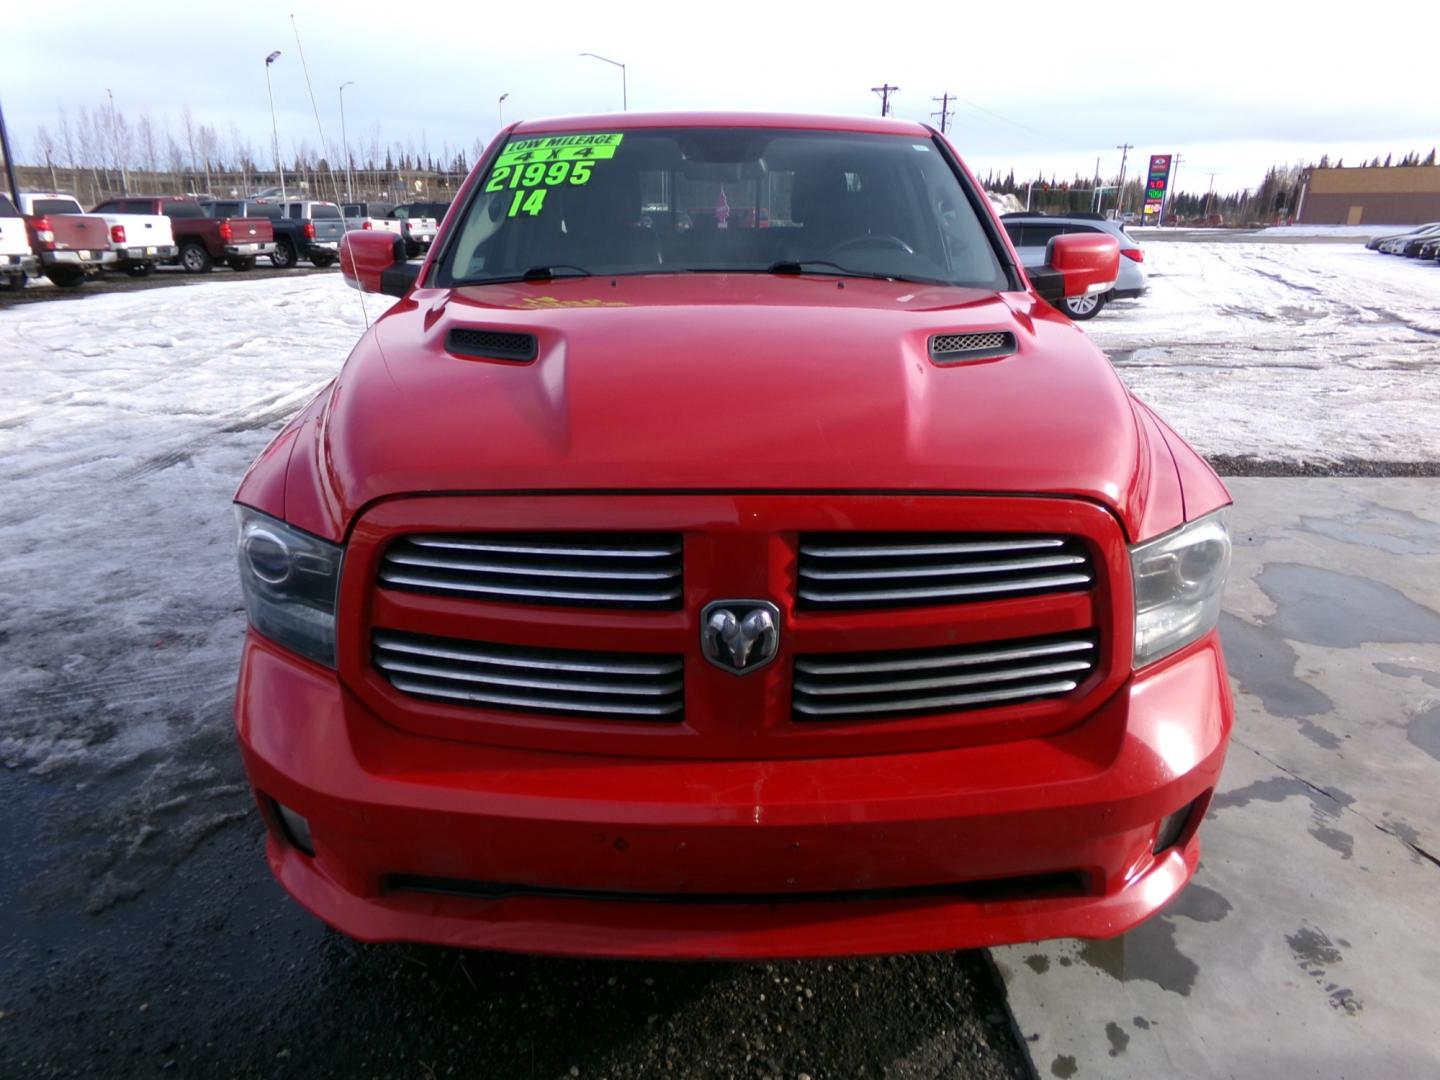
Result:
pixel 241 265
pixel 14 282
pixel 411 250
pixel 195 259
pixel 1081 308
pixel 66 277
pixel 139 269
pixel 284 255
pixel 322 261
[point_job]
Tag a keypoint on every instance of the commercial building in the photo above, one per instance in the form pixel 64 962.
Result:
pixel 1371 195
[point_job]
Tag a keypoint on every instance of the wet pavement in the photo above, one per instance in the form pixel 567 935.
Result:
pixel 1308 943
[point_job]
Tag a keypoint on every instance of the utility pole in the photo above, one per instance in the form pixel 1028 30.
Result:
pixel 274 130
pixel 9 161
pixel 1210 196
pixel 1124 149
pixel 944 113
pixel 119 155
pixel 1095 196
pixel 1170 190
pixel 884 92
pixel 349 179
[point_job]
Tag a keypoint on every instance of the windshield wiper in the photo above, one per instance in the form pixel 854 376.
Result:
pixel 544 273
pixel 825 266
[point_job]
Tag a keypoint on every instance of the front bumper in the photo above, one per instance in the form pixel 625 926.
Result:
pixel 420 838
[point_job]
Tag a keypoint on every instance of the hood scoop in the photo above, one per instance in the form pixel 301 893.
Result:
pixel 962 348
pixel 486 344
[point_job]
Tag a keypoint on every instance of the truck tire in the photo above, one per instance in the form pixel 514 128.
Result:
pixel 66 277
pixel 322 261
pixel 14 282
pixel 284 256
pixel 194 259
pixel 140 269
pixel 1080 308
pixel 241 265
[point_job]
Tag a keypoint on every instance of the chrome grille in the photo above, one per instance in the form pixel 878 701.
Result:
pixel 847 570
pixel 636 570
pixel 560 682
pixel 948 348
pixel 838 686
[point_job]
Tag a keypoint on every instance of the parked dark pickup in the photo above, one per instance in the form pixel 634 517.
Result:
pixel 203 240
pixel 304 229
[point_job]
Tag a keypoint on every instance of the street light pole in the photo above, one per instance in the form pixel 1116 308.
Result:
pixel 345 142
pixel 115 138
pixel 274 129
pixel 500 109
pixel 624 89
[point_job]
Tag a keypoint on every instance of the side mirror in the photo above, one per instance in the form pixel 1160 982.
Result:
pixel 375 262
pixel 1077 264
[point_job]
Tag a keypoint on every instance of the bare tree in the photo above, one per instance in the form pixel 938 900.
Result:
pixel 149 151
pixel 188 125
pixel 45 150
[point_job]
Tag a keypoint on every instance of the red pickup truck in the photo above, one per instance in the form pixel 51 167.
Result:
pixel 201 241
pixel 722 591
pixel 70 247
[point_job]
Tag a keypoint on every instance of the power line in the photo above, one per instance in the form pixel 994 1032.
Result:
pixel 944 113
pixel 1016 124
pixel 884 92
pixel 324 149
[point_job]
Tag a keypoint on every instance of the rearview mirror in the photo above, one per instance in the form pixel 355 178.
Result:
pixel 375 262
pixel 1077 264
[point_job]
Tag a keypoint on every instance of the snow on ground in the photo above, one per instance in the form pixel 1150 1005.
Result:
pixel 126 421
pixel 1290 352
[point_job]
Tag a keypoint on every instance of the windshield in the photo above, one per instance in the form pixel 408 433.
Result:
pixel 722 200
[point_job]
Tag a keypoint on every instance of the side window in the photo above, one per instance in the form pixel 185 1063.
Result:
pixel 1040 235
pixel 1015 232
pixel 295 211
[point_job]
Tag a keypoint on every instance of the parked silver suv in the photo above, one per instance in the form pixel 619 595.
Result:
pixel 1031 233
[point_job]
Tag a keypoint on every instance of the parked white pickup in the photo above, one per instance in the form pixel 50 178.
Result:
pixel 17 261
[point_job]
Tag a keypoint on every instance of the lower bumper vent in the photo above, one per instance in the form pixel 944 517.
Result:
pixel 556 682
pixel 841 686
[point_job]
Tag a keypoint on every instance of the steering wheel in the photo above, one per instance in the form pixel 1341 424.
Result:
pixel 875 240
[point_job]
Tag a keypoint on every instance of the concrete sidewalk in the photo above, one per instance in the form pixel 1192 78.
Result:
pixel 1309 943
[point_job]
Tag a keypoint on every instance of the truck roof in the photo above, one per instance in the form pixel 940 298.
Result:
pixel 795 121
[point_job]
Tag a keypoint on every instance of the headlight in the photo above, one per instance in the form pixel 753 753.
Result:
pixel 289 579
pixel 1179 579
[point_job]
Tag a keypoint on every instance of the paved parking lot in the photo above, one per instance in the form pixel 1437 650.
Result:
pixel 1308 943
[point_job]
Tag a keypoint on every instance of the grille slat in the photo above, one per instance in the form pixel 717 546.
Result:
pixel 621 685
pixel 834 687
pixel 636 570
pixel 847 570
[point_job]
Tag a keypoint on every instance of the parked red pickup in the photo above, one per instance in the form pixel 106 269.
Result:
pixel 202 241
pixel 69 246
pixel 814 588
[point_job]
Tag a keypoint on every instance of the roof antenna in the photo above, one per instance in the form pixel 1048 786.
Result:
pixel 324 149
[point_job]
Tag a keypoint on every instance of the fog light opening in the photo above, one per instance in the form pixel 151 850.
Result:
pixel 295 828
pixel 1173 828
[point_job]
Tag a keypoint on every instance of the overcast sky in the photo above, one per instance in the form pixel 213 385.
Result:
pixel 1232 87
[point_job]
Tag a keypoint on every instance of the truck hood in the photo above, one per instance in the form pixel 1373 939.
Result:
pixel 723 382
